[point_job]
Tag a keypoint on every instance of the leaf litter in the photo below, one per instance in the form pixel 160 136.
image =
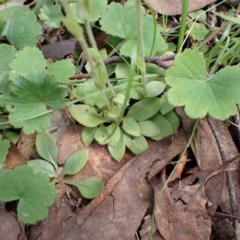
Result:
pixel 187 209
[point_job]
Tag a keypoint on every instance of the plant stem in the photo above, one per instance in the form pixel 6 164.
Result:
pixel 141 45
pixel 101 62
pixel 183 23
pixel 90 60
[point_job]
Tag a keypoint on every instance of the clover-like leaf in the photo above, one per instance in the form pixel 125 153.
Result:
pixel 51 14
pixel 191 88
pixel 89 188
pixel 62 70
pixel 75 162
pixel 86 115
pixel 121 21
pixel 34 192
pixel 6 56
pixel 22 28
pixel 27 60
pixel 29 101
pixel 47 148
pixel 4 146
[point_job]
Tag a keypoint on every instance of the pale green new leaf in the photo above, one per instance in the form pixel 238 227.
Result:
pixel 217 96
pixel 149 128
pixel 86 115
pixel 51 14
pixel 136 144
pixel 97 8
pixel 75 162
pixel 131 127
pixel 144 109
pixel 154 88
pixel 62 70
pixel 42 166
pixel 7 54
pixel 90 188
pixel 88 135
pixel 4 147
pixel 121 21
pixel 198 31
pixel 117 151
pixel 102 135
pixel 33 191
pixel 47 148
pixel 27 60
pixel 22 28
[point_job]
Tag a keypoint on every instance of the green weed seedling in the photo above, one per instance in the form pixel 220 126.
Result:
pixel 33 184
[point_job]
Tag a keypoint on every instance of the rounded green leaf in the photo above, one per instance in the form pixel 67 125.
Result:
pixel 34 192
pixel 137 145
pixel 86 115
pixel 131 127
pixel 4 149
pixel 88 134
pixel 149 128
pixel 47 148
pixel 75 162
pixel 42 166
pixel 90 188
pixel 163 124
pixel 102 135
pixel 113 137
pixel 117 151
pixel 144 109
pixel 190 87
pixel 154 88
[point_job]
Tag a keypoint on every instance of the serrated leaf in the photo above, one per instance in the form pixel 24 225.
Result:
pixel 33 191
pixel 149 128
pixel 117 151
pixel 7 54
pixel 27 60
pixel 136 144
pixel 95 13
pixel 90 188
pixel 154 88
pixel 75 162
pixel 144 109
pixel 86 115
pixel 51 14
pixel 22 28
pixel 131 127
pixel 47 148
pixel 30 99
pixel 42 166
pixel 4 146
pixel 217 96
pixel 62 70
pixel 88 135
pixel 121 21
pixel 198 31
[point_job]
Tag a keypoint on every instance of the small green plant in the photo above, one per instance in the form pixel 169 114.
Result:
pixel 34 184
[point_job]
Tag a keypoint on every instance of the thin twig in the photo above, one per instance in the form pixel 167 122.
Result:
pixel 230 183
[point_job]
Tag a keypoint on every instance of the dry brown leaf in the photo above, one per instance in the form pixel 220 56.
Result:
pixel 181 214
pixel 10 228
pixel 59 215
pixel 174 7
pixel 118 211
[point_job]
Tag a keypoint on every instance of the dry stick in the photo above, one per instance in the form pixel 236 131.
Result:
pixel 232 194
pixel 159 61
